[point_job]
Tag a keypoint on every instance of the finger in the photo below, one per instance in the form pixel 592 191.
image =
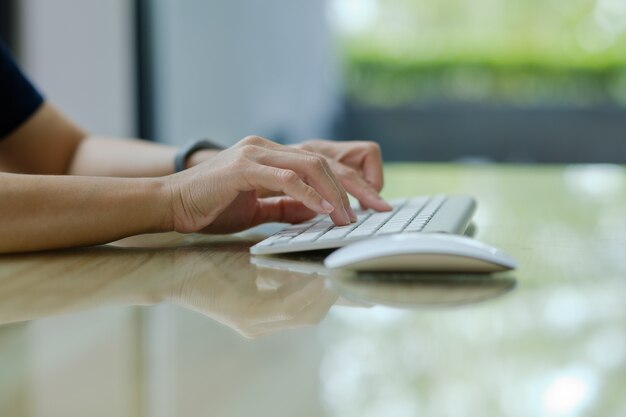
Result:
pixel 314 170
pixel 290 183
pixel 372 166
pixel 342 191
pixel 282 210
pixel 259 144
pixel 368 197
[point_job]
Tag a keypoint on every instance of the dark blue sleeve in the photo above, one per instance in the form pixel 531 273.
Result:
pixel 18 98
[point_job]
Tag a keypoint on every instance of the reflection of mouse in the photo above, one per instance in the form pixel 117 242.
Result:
pixel 420 252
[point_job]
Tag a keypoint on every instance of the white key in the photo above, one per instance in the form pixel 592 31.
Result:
pixel 370 225
pixel 290 233
pixel 297 228
pixel 414 227
pixel 313 233
pixel 417 203
pixel 283 239
pixel 361 217
pixel 390 228
pixel 337 232
pixel 417 224
pixel 269 241
pixel 433 205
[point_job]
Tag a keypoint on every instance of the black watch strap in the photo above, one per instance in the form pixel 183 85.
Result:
pixel 183 154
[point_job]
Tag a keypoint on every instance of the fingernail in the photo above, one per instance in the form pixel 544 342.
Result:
pixel 327 207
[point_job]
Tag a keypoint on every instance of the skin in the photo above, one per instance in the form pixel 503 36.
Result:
pixel 60 187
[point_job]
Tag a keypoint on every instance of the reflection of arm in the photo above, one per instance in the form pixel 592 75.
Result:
pixel 219 284
pixel 42 285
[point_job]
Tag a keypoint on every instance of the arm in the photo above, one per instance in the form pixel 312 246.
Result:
pixel 40 212
pixel 49 210
pixel 50 144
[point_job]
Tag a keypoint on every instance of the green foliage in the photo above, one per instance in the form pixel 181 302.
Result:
pixel 521 51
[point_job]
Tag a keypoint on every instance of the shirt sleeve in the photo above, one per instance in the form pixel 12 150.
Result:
pixel 18 98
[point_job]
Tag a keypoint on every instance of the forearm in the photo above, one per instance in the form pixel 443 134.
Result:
pixel 48 143
pixel 50 212
pixel 96 156
pixel 117 157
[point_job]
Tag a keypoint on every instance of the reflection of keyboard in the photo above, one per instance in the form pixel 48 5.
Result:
pixel 445 214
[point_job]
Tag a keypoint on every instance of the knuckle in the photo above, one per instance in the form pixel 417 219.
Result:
pixel 239 164
pixel 317 162
pixel 252 140
pixel 288 177
pixel 373 147
pixel 311 194
pixel 247 150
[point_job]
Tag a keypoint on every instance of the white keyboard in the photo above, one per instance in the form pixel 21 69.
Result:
pixel 425 214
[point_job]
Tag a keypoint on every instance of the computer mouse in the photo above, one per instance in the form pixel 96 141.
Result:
pixel 427 252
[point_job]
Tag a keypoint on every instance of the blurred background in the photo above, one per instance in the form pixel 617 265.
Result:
pixel 448 80
pixel 538 81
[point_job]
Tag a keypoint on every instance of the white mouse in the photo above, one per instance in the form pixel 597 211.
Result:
pixel 432 252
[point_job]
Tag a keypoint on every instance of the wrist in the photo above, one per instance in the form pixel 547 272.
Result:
pixel 201 156
pixel 162 194
pixel 182 158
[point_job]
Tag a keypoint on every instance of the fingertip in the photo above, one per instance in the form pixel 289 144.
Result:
pixel 385 205
pixel 340 219
pixel 378 204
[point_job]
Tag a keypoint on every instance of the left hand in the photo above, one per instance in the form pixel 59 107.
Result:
pixel 358 165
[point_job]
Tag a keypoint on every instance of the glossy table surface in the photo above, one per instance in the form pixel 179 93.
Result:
pixel 171 325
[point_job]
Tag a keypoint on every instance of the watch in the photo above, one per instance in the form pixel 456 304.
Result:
pixel 183 154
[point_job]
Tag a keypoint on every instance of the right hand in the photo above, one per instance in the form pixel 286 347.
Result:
pixel 220 195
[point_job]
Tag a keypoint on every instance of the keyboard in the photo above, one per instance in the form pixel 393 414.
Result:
pixel 421 214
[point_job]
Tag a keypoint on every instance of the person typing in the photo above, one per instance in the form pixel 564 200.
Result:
pixel 61 187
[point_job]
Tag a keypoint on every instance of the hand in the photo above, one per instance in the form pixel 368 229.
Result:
pixel 220 195
pixel 358 165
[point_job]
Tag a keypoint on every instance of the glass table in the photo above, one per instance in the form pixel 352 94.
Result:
pixel 174 325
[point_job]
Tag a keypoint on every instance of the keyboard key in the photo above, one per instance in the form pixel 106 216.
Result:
pixel 390 228
pixel 433 205
pixel 415 226
pixel 269 241
pixel 282 240
pixel 417 203
pixel 337 232
pixel 369 226
pixel 313 232
pixel 289 233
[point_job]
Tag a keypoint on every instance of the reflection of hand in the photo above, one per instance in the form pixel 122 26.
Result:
pixel 252 302
pixel 358 165
pixel 220 195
